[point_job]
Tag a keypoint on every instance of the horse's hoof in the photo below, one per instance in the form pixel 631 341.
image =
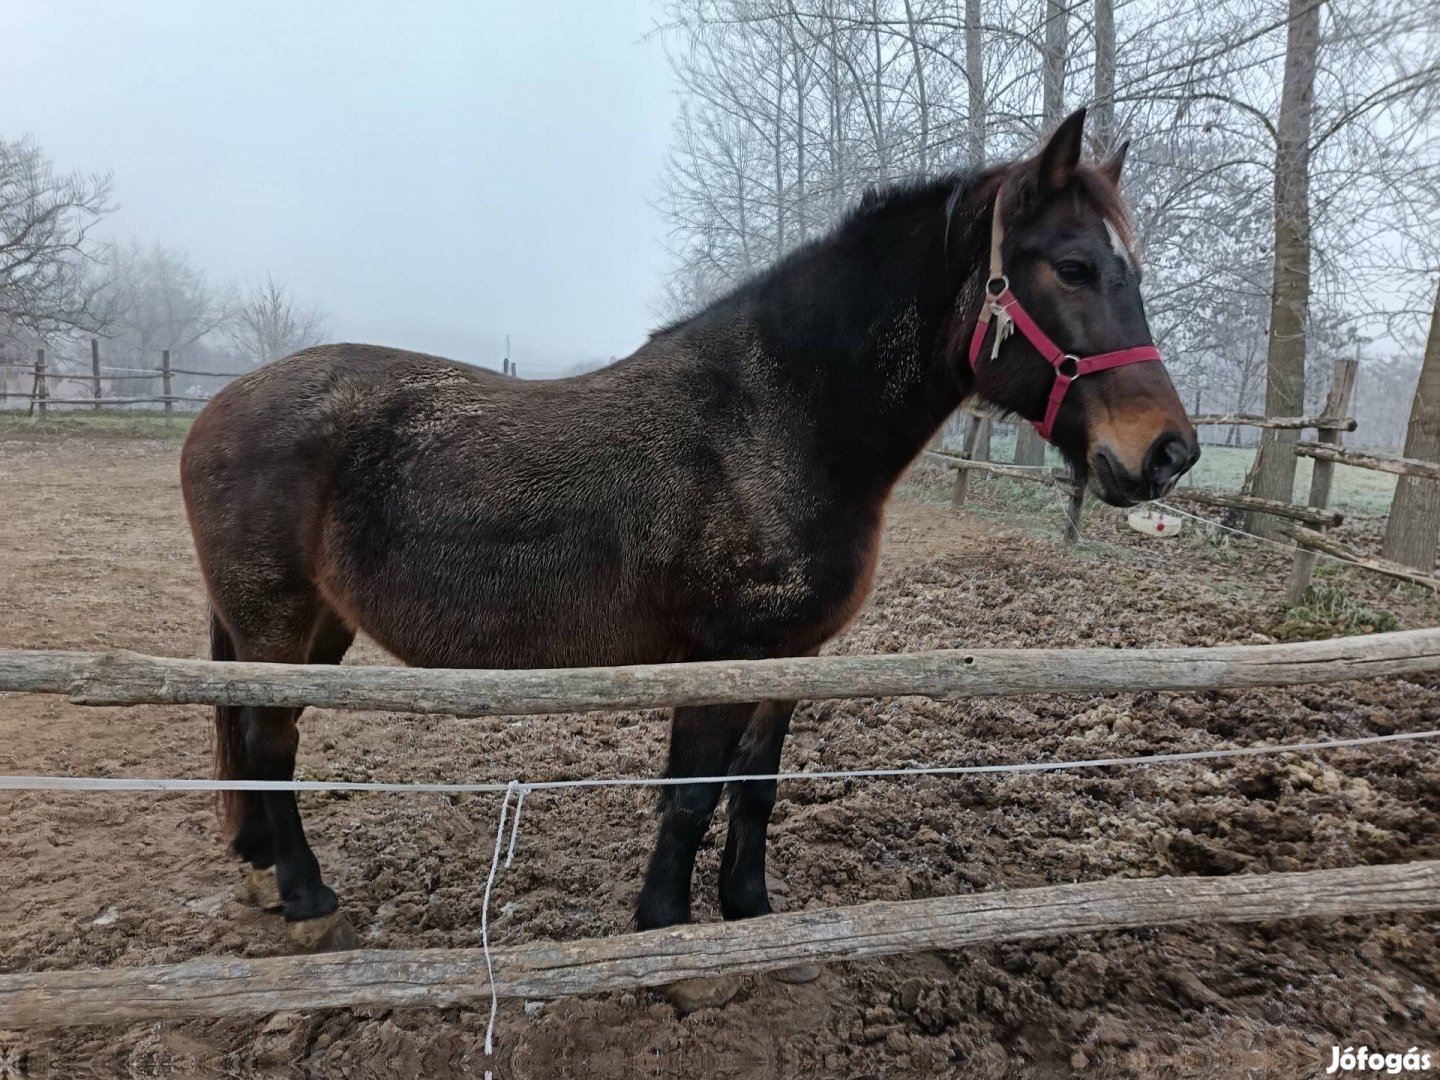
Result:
pixel 260 887
pixel 688 995
pixel 329 933
pixel 798 974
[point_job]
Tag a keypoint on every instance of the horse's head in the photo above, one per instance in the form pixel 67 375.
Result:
pixel 1067 280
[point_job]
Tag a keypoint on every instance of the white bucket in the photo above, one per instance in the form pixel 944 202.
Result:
pixel 1154 523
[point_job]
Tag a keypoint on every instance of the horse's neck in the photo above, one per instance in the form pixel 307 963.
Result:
pixel 869 348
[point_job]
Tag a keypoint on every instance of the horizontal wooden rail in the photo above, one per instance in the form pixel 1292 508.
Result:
pixel 208 374
pixel 1318 542
pixel 1309 515
pixel 125 678
pixel 223 987
pixel 65 375
pixel 995 468
pixel 1320 423
pixel 106 401
pixel 120 372
pixel 1400 466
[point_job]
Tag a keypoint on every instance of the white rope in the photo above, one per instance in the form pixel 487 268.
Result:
pixel 94 783
pixel 520 792
pixel 1288 548
pixel 510 789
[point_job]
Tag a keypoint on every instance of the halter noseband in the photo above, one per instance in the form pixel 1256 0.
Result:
pixel 1009 313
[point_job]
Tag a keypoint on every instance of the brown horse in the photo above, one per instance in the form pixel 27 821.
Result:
pixel 717 495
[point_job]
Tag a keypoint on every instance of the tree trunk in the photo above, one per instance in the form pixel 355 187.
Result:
pixel 802 211
pixel 1413 532
pixel 1290 292
pixel 779 154
pixel 1029 446
pixel 1102 116
pixel 882 149
pixel 1057 44
pixel 922 97
pixel 975 78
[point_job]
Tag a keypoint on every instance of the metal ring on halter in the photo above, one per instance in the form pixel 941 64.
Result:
pixel 1071 361
pixel 1003 281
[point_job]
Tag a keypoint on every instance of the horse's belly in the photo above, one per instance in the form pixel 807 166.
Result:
pixel 555 624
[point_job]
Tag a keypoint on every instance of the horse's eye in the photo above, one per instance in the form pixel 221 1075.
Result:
pixel 1072 273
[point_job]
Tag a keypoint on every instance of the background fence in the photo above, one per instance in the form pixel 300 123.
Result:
pixel 1303 524
pixel 46 377
pixel 59 383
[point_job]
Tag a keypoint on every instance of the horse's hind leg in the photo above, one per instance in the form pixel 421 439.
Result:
pixel 252 841
pixel 742 869
pixel 296 629
pixel 702 742
pixel 241 811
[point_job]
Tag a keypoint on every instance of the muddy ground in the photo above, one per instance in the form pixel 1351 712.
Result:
pixel 94 554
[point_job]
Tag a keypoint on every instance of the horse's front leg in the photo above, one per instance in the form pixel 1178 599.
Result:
pixel 703 741
pixel 742 870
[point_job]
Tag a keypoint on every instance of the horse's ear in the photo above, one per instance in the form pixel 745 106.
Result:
pixel 1061 155
pixel 1110 169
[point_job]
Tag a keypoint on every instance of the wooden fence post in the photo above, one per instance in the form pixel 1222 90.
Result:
pixel 1342 383
pixel 41 390
pixel 977 448
pixel 1073 511
pixel 95 369
pixel 165 383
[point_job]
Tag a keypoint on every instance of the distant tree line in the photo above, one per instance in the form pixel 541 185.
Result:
pixel 59 283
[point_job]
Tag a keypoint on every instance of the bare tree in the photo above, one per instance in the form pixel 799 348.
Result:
pixel 1102 114
pixel 975 83
pixel 1290 291
pixel 266 325
pixel 1413 532
pixel 1029 446
pixel 154 298
pixel 46 252
pixel 790 108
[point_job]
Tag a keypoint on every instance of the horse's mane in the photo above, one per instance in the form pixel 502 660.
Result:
pixel 951 189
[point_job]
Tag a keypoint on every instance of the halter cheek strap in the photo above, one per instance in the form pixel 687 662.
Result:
pixel 1003 308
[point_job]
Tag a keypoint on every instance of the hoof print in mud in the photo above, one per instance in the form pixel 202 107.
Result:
pixel 329 933
pixel 260 888
pixel 691 995
pixel 798 974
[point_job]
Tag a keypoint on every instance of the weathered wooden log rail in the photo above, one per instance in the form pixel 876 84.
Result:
pixel 125 678
pixel 1320 423
pixel 233 986
pixel 1399 466
pixel 1308 515
pixel 1314 541
pixel 1010 472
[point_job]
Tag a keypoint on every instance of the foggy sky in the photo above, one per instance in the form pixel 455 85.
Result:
pixel 435 175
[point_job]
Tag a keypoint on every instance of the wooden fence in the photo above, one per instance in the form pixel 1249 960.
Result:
pixel 439 978
pixel 44 372
pixel 236 986
pixel 1304 524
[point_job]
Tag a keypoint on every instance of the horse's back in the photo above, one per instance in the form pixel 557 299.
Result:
pixel 458 516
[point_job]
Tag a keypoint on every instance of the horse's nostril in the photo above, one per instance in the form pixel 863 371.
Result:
pixel 1169 459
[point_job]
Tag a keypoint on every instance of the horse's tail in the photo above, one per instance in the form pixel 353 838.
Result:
pixel 229 739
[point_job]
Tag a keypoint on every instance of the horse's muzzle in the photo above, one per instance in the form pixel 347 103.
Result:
pixel 1169 457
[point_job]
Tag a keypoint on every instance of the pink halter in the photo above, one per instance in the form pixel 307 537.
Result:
pixel 1009 313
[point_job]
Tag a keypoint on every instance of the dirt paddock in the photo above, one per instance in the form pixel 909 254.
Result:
pixel 94 553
